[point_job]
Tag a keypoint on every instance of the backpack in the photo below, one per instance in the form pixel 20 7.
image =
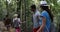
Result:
pixel 16 23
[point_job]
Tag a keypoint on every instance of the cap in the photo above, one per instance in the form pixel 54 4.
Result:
pixel 15 15
pixel 43 3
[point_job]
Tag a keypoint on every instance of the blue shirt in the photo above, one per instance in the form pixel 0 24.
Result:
pixel 48 20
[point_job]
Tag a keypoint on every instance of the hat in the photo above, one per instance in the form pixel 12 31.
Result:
pixel 15 15
pixel 43 3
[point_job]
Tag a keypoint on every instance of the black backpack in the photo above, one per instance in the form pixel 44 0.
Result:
pixel 16 23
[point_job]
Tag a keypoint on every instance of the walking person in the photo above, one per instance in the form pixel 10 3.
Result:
pixel 35 18
pixel 17 22
pixel 46 17
pixel 7 22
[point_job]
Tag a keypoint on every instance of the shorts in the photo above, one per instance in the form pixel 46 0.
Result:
pixel 35 29
pixel 18 29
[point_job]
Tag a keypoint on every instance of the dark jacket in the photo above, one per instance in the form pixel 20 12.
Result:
pixel 7 21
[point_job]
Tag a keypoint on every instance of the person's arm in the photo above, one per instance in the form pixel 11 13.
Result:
pixel 44 15
pixel 32 17
pixel 13 20
pixel 43 24
pixel 20 20
pixel 38 17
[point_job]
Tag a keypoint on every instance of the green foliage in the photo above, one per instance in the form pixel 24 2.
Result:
pixel 24 10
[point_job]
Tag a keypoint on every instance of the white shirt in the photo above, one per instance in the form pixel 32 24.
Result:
pixel 35 22
pixel 16 19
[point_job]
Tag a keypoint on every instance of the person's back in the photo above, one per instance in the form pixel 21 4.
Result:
pixel 46 16
pixel 48 20
pixel 7 21
pixel 16 22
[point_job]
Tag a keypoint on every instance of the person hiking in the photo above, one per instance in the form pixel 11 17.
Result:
pixel 17 22
pixel 7 22
pixel 35 18
pixel 46 17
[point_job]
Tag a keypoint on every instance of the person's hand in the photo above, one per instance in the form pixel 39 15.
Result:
pixel 38 31
pixel 24 21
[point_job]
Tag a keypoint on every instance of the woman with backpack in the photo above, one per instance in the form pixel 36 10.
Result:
pixel 46 17
pixel 16 23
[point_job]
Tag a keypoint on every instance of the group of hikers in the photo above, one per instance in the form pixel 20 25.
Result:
pixel 41 21
pixel 15 23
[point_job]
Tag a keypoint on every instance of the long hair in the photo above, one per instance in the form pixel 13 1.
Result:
pixel 49 11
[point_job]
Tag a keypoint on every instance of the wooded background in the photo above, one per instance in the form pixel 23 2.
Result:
pixel 22 7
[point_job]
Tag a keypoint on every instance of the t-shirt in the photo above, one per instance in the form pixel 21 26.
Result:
pixel 35 22
pixel 16 19
pixel 48 20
